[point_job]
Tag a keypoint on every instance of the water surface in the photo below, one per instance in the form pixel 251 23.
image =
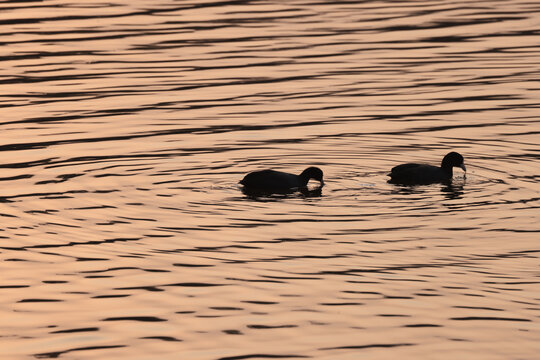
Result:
pixel 126 127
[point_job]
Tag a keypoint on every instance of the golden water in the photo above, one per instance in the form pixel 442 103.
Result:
pixel 126 126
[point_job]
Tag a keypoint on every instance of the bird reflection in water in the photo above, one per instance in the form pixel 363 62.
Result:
pixel 453 191
pixel 303 192
pixel 449 190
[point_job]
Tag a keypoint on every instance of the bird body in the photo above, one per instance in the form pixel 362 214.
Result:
pixel 412 173
pixel 273 180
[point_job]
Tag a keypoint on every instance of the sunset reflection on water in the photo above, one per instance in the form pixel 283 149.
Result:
pixel 127 126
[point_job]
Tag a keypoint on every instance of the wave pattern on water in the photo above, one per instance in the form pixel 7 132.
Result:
pixel 127 126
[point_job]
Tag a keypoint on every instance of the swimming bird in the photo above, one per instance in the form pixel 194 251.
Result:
pixel 272 180
pixel 412 174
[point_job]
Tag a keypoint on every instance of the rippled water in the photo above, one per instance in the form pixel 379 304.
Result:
pixel 126 127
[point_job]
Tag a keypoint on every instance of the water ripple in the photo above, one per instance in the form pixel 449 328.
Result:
pixel 128 126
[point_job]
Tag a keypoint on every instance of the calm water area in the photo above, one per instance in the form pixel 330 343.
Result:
pixel 126 126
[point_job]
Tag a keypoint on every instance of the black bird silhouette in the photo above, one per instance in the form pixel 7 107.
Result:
pixel 412 174
pixel 272 180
